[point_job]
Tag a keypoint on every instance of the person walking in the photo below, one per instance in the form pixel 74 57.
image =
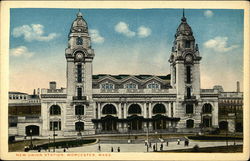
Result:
pixel 154 147
pixel 118 149
pixel 99 147
pixel 166 143
pixel 112 149
pixel 178 142
pixel 161 148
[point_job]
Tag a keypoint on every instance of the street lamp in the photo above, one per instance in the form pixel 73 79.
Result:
pixel 128 133
pixel 31 145
pixel 54 137
pixel 147 136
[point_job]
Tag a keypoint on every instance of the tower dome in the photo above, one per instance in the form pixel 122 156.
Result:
pixel 184 29
pixel 79 25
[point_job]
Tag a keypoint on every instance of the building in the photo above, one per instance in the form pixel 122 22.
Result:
pixel 96 104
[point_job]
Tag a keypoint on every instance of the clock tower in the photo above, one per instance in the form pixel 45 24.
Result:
pixel 79 56
pixel 185 76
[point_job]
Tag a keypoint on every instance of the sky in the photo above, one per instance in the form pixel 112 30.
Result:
pixel 125 41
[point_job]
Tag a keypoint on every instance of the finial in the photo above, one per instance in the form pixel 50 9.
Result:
pixel 183 16
pixel 79 14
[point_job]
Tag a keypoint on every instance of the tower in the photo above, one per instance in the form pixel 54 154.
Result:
pixel 185 75
pixel 79 56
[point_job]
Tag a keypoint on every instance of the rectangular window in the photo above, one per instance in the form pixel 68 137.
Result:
pixel 188 73
pixel 79 73
pixel 187 44
pixel 79 92
pixel 188 92
pixel 55 125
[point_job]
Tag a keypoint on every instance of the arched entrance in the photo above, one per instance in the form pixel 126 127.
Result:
pixel 207 121
pixel 32 130
pixel 109 123
pixel 135 122
pixel 223 125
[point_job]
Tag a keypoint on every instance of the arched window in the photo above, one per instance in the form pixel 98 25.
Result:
pixel 79 126
pixel 189 108
pixel 107 86
pixel 109 109
pixel 55 110
pixel 188 73
pixel 134 109
pixel 79 110
pixel 159 108
pixel 190 123
pixel 207 108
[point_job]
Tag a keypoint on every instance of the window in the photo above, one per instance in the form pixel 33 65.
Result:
pixel 79 126
pixel 130 86
pixel 79 41
pixel 190 123
pixel 159 108
pixel 79 110
pixel 79 92
pixel 55 125
pixel 79 73
pixel 189 108
pixel 188 92
pixel 55 110
pixel 207 108
pixel 188 74
pixel 109 109
pixel 107 86
pixel 134 109
pixel 153 86
pixel 13 124
pixel 187 44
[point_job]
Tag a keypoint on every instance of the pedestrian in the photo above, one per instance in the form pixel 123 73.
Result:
pixel 150 145
pixel 112 149
pixel 64 150
pixel 161 147
pixel 178 142
pixel 118 149
pixel 99 147
pixel 154 147
pixel 166 143
pixel 187 142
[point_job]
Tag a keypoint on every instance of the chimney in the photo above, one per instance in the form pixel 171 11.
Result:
pixel 34 92
pixel 52 85
pixel 238 86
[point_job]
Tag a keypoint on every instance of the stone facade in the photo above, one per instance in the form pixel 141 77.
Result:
pixel 96 104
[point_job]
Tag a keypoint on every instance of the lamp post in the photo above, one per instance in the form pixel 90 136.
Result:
pixel 147 136
pixel 31 144
pixel 54 137
pixel 128 133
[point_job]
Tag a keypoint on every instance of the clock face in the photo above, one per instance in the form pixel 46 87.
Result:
pixel 189 58
pixel 79 56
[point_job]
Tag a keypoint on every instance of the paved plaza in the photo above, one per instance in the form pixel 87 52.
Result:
pixel 139 146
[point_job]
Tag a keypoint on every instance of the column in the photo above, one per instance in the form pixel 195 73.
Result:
pixel 119 111
pixel 99 110
pixel 169 109
pixel 125 110
pixel 145 110
pixel 150 110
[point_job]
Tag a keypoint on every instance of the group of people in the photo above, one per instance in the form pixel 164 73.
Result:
pixel 186 143
pixel 112 149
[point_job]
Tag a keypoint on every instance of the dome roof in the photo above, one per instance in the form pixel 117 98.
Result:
pixel 79 24
pixel 184 28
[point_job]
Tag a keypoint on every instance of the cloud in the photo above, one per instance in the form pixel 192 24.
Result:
pixel 219 44
pixel 123 28
pixel 95 36
pixel 143 31
pixel 33 32
pixel 21 51
pixel 208 13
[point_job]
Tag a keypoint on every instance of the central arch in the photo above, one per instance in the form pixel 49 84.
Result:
pixel 134 109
